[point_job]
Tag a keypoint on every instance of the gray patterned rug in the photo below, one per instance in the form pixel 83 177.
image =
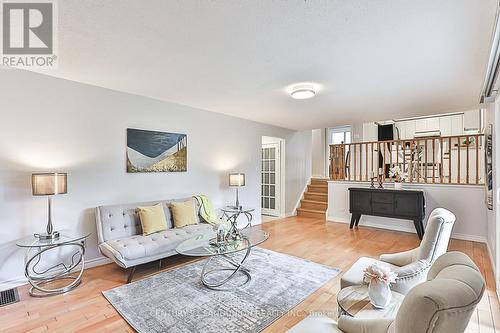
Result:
pixel 176 301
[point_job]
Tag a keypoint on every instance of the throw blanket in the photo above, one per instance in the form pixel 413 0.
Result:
pixel 207 211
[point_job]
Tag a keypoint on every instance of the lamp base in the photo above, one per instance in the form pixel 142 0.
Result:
pixel 45 236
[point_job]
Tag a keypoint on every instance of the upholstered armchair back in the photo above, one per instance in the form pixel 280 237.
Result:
pixel 437 235
pixel 446 302
pixel 120 221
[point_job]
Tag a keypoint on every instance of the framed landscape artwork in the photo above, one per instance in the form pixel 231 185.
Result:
pixel 151 151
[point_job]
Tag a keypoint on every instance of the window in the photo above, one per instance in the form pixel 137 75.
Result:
pixel 341 134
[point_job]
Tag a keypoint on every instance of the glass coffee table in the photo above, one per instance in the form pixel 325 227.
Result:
pixel 225 260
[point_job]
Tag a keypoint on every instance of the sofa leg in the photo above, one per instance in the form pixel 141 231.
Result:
pixel 131 274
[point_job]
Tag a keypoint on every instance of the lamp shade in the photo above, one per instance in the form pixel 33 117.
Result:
pixel 237 179
pixel 49 183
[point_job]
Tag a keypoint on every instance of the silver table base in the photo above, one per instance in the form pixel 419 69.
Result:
pixel 231 272
pixel 40 278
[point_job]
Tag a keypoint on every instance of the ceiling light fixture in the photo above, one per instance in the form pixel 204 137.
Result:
pixel 303 91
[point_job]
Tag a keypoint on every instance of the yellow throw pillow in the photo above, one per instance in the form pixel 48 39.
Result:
pixel 152 219
pixel 183 213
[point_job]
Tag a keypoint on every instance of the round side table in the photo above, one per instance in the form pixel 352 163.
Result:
pixel 231 213
pixel 46 271
pixel 354 301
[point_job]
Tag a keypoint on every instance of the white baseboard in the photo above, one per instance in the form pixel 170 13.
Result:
pixel 99 261
pixel 396 227
pixel 4 285
pixel 89 263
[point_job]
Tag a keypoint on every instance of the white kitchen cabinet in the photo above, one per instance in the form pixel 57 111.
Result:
pixel 471 120
pixel 406 129
pixel 370 132
pixel 427 124
pixel 457 125
pixel 445 126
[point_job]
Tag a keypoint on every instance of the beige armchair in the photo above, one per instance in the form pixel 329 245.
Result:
pixel 443 304
pixel 411 266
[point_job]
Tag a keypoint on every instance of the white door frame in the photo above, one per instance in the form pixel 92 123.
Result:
pixel 282 173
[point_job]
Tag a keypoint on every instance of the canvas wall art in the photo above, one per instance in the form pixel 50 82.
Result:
pixel 488 153
pixel 151 151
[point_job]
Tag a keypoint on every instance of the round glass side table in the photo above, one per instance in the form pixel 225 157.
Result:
pixel 53 266
pixel 231 213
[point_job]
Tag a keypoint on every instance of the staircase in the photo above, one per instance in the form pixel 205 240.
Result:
pixel 315 201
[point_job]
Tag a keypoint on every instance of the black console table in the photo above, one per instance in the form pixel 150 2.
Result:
pixel 401 204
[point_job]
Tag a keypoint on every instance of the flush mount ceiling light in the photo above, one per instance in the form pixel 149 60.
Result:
pixel 303 91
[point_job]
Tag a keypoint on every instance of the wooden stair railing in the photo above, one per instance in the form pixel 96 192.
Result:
pixel 437 160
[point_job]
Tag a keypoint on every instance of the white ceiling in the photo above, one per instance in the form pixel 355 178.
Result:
pixel 374 59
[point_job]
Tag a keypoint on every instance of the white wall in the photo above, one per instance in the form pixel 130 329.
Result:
pixel 467 202
pixel 50 124
pixel 319 156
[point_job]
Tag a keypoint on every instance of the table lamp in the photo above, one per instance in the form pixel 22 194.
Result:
pixel 237 180
pixel 49 184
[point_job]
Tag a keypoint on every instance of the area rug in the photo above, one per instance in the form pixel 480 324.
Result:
pixel 176 301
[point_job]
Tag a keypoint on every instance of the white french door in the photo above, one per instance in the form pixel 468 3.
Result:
pixel 271 175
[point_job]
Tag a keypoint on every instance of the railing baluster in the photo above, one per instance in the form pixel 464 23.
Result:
pixel 366 161
pixel 459 148
pixel 410 165
pixel 404 157
pixel 449 160
pixel 441 162
pixel 419 171
pixel 467 159
pixel 426 164
pixel 390 159
pixel 384 162
pixel 360 162
pixel 476 143
pixel 354 163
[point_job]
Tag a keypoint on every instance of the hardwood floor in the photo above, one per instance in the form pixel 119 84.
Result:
pixel 86 310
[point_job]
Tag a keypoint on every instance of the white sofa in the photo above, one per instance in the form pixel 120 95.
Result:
pixel 443 304
pixel 411 266
pixel 120 238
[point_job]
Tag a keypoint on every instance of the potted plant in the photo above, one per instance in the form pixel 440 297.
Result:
pixel 379 278
pixel 398 175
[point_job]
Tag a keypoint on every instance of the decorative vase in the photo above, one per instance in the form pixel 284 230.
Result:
pixel 398 185
pixel 379 293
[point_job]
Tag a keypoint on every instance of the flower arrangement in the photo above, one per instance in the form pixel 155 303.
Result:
pixel 378 272
pixel 398 174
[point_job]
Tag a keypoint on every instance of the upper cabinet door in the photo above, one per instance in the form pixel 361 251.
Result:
pixel 471 120
pixel 420 125
pixel 445 126
pixel 427 124
pixel 457 124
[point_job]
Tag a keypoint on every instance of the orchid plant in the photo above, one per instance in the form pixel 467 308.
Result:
pixel 398 174
pixel 378 272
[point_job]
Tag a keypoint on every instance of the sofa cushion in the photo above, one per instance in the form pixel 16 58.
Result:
pixel 152 219
pixel 139 246
pixel 183 213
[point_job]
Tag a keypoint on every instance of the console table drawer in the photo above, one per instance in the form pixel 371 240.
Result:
pixel 383 197
pixel 382 208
